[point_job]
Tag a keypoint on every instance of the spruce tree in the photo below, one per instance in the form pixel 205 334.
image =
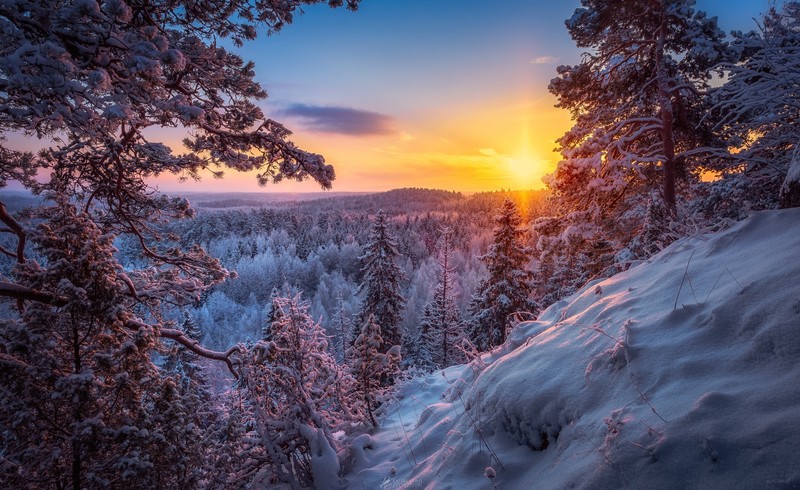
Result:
pixel 186 417
pixel 507 290
pixel 266 329
pixel 381 284
pixel 441 329
pixel 341 328
pixel 424 352
pixel 76 377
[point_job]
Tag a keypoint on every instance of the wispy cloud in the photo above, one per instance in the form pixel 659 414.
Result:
pixel 544 60
pixel 341 120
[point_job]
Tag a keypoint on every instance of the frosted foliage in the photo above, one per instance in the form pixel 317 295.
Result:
pixel 94 81
pixel 641 125
pixel 439 342
pixel 90 79
pixel 296 396
pixel 631 383
pixel 103 72
pixel 370 368
pixel 758 104
pixel 62 367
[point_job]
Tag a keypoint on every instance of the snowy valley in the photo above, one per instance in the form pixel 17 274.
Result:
pixel 680 373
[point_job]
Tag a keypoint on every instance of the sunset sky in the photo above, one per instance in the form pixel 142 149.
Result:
pixel 447 94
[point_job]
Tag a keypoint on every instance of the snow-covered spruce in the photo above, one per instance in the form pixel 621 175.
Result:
pixel 439 341
pixel 371 369
pixel 381 285
pixel 507 290
pixel 295 397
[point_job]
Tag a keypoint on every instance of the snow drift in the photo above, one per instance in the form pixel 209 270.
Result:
pixel 682 372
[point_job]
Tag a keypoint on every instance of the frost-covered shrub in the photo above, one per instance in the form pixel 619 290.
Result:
pixel 371 369
pixel 295 396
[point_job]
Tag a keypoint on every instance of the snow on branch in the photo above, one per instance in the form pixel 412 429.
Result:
pixel 15 228
pixel 198 349
pixel 18 292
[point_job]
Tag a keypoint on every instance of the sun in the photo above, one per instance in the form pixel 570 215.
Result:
pixel 525 170
pixel 525 164
pixel 526 167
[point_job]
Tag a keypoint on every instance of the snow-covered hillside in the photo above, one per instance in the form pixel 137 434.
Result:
pixel 618 387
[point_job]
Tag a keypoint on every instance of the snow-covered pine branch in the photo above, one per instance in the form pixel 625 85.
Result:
pixel 758 106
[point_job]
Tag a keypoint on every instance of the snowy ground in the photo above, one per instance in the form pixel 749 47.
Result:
pixel 683 372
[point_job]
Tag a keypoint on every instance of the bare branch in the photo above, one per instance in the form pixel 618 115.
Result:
pixel 15 291
pixel 15 228
pixel 198 349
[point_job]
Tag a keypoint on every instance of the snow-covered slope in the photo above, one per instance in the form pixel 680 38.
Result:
pixel 619 388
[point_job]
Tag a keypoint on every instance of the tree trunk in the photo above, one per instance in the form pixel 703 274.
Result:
pixel 667 122
pixel 367 399
pixel 78 413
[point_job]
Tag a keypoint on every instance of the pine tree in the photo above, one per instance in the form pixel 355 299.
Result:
pixel 266 330
pixel 94 82
pixel 185 412
pixel 237 455
pixel 507 290
pixel 641 126
pixel 369 366
pixel 758 107
pixel 341 328
pixel 634 97
pixel 444 308
pixel 381 284
pixel 423 355
pixel 186 418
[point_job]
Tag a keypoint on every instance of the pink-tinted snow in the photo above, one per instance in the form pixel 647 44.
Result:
pixel 624 389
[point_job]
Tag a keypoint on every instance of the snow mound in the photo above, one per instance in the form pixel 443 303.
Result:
pixel 680 373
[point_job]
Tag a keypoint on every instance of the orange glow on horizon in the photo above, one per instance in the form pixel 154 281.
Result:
pixel 503 144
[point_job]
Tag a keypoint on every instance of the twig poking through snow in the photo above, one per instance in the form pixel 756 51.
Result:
pixel 478 430
pixel 405 433
pixel 685 277
pixel 720 277
pixel 651 405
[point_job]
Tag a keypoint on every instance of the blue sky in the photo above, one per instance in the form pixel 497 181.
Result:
pixel 430 93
